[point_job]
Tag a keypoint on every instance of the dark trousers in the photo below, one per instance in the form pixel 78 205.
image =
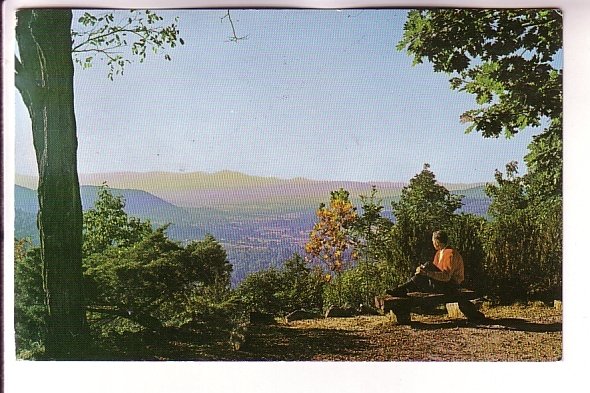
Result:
pixel 422 283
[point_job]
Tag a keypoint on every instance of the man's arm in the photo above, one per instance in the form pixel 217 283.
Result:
pixel 445 268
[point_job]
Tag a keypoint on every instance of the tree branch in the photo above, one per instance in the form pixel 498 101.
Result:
pixel 106 51
pixel 144 320
pixel 87 41
pixel 234 37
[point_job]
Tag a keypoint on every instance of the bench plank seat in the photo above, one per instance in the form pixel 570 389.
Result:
pixel 401 306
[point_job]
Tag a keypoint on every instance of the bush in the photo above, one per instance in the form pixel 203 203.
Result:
pixel 355 286
pixel 424 207
pixel 549 228
pixel 261 292
pixel 466 235
pixel 278 292
pixel 152 281
pixel 303 286
pixel 524 254
pixel 523 242
pixel 30 311
pixel 208 316
pixel 409 246
pixel 136 273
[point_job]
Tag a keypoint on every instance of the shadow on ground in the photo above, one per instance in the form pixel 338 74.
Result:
pixel 172 344
pixel 515 324
pixel 263 343
pixel 277 342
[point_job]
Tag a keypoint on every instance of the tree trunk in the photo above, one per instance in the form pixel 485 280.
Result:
pixel 44 77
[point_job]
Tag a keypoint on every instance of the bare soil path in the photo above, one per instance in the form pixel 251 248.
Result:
pixel 515 333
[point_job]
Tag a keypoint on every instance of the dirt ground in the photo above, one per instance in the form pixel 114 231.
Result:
pixel 530 332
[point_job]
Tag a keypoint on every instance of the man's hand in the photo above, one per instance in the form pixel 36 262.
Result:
pixel 421 269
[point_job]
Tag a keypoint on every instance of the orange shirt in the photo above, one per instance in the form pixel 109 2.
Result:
pixel 450 263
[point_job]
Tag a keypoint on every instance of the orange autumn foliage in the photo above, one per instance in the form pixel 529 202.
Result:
pixel 329 241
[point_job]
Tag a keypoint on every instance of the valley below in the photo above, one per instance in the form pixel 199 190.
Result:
pixel 260 221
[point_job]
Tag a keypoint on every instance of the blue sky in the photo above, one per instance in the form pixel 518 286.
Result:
pixel 321 94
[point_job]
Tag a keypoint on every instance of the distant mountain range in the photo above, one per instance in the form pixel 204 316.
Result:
pixel 260 221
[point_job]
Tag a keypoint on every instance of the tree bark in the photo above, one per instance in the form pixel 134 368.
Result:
pixel 45 79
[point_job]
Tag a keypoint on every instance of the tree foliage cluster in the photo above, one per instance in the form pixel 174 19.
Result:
pixel 523 242
pixel 330 240
pixel 29 300
pixel 424 207
pixel 106 36
pixel 135 277
pixel 509 60
pixel 280 291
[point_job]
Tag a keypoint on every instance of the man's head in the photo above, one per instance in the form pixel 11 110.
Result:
pixel 439 239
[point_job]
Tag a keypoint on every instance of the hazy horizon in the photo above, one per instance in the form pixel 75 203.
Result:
pixel 89 175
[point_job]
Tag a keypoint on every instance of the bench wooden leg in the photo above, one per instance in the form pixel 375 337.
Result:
pixel 402 312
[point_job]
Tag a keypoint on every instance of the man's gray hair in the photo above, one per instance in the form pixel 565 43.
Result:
pixel 441 236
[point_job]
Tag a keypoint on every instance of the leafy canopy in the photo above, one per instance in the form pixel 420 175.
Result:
pixel 30 312
pixel 424 206
pixel 279 292
pixel 107 224
pixel 509 60
pixel 370 226
pixel 508 194
pixel 505 57
pixel 105 36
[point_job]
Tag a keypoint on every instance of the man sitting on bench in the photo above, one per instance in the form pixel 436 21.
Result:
pixel 444 275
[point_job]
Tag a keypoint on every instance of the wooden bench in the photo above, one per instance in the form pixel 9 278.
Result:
pixel 402 306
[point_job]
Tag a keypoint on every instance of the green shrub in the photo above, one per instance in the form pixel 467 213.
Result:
pixel 136 276
pixel 303 286
pixel 466 235
pixel 524 254
pixel 30 311
pixel 523 242
pixel 263 291
pixel 424 207
pixel 278 292
pixel 152 281
pixel 355 286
